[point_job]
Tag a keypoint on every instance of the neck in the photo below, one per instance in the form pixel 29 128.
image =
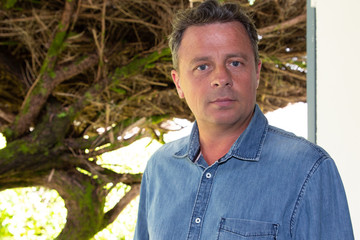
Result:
pixel 216 141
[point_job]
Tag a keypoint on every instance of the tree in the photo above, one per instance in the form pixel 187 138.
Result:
pixel 70 68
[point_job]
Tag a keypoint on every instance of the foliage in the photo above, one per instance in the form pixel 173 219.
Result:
pixel 32 213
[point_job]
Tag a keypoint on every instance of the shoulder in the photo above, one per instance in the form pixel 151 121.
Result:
pixel 294 147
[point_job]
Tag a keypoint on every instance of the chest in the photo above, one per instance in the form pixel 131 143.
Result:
pixel 193 202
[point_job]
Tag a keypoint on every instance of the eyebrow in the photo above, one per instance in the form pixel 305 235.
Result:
pixel 239 55
pixel 207 58
pixel 199 59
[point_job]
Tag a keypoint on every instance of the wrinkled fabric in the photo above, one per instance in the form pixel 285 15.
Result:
pixel 270 185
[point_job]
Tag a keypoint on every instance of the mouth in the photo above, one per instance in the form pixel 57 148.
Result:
pixel 223 102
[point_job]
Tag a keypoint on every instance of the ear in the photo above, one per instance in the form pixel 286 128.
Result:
pixel 258 68
pixel 176 79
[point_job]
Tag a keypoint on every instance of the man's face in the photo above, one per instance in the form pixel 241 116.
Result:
pixel 217 73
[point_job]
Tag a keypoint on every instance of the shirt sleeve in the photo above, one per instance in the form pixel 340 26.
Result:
pixel 141 230
pixel 322 211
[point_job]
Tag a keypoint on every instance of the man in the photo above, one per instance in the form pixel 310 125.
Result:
pixel 234 177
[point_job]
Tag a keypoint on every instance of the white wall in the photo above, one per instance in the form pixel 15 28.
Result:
pixel 338 92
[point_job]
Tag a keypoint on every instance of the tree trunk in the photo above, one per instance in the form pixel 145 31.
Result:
pixel 84 201
pixel 42 159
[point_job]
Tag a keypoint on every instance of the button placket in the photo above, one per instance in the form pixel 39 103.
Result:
pixel 202 199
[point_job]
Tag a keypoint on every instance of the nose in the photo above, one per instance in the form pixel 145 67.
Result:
pixel 222 77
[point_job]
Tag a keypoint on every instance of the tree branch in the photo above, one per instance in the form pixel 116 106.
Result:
pixel 72 69
pixel 40 90
pixel 301 77
pixel 282 25
pixel 112 214
pixel 7 116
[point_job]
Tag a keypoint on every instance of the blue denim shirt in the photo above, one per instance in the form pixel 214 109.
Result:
pixel 270 185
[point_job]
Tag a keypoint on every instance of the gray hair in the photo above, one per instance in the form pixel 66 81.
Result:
pixel 210 11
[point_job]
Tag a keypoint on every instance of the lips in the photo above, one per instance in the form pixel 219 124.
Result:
pixel 224 101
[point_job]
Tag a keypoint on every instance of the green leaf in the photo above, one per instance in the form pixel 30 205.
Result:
pixel 118 90
pixel 139 64
pixel 62 115
pixel 9 3
pixel 159 118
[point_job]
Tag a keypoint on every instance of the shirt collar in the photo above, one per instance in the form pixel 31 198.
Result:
pixel 247 147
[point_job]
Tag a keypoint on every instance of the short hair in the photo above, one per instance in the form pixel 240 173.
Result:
pixel 210 11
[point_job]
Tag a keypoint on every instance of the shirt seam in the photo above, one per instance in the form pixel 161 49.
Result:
pixel 145 174
pixel 300 139
pixel 302 192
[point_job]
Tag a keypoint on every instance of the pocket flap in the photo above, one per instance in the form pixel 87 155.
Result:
pixel 245 227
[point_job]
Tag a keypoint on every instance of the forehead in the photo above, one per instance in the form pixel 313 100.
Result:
pixel 215 38
pixel 216 26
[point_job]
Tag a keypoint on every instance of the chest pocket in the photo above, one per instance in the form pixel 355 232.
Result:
pixel 241 229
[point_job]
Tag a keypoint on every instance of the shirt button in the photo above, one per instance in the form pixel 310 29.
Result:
pixel 208 175
pixel 197 220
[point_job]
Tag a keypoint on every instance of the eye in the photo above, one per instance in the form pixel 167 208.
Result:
pixel 202 67
pixel 235 63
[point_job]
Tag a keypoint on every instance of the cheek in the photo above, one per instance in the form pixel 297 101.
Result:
pixel 193 97
pixel 247 89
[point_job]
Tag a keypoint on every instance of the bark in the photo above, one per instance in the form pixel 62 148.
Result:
pixel 42 87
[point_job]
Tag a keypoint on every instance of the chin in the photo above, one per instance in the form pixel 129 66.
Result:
pixel 225 121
